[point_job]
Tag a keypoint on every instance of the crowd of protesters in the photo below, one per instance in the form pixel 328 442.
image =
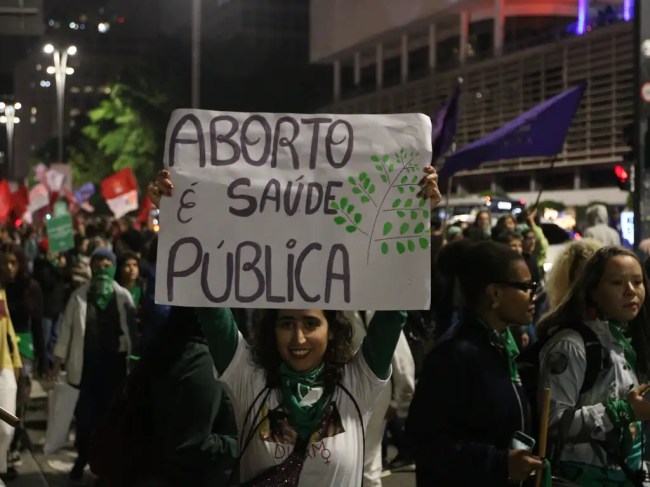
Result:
pixel 313 397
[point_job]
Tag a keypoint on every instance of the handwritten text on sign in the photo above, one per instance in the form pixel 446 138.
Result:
pixel 295 211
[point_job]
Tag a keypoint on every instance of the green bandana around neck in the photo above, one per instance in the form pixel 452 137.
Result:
pixel 303 398
pixel 136 294
pixel 619 333
pixel 101 285
pixel 512 351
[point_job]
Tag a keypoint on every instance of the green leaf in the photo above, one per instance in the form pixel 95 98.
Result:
pixel 396 203
pixel 357 218
pixel 356 190
pixel 419 228
pixel 424 243
pixel 384 248
pixel 344 203
pixel 386 157
pixel 415 179
pixel 404 179
pixel 334 205
pixel 422 202
pixel 366 183
pixel 412 189
pixel 350 229
pixel 400 214
pixel 364 199
pixel 414 214
pixel 350 209
pixel 384 178
pixel 425 214
pixel 411 245
pixel 351 180
pixel 363 176
pixel 400 247
pixel 339 220
pixel 408 203
pixel 371 189
pixel 404 228
pixel 400 189
pixel 391 167
pixel 379 168
pixel 388 226
pixel 374 158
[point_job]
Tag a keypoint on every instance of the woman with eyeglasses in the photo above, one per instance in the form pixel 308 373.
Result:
pixel 597 355
pixel 469 407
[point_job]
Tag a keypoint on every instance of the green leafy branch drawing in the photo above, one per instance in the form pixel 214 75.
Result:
pixel 398 172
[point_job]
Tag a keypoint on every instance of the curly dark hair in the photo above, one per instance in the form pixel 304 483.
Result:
pixel 338 353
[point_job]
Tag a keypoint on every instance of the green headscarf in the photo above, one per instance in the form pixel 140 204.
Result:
pixel 303 412
pixel 101 286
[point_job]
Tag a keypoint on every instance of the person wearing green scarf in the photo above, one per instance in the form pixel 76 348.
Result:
pixel 301 395
pixel 604 429
pixel 128 275
pixel 469 403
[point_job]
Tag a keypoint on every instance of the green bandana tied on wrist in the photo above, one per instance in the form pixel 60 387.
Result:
pixel 303 398
pixel 101 286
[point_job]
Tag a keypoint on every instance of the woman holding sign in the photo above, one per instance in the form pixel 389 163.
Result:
pixel 301 399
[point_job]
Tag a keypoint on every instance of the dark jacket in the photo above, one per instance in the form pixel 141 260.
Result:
pixel 25 301
pixel 194 431
pixel 52 280
pixel 465 411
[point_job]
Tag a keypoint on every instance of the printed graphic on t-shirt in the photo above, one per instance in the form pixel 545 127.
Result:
pixel 277 429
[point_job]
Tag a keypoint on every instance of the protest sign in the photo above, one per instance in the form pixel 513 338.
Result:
pixel 60 234
pixel 295 211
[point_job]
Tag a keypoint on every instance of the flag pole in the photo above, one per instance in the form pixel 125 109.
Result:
pixel 541 189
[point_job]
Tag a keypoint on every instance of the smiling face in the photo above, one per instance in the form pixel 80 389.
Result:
pixel 620 292
pixel 302 336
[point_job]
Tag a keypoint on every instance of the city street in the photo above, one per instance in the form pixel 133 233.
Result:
pixel 39 470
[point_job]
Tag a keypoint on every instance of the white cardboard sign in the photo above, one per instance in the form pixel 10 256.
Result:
pixel 295 211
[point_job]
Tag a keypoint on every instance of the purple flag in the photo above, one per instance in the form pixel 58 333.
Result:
pixel 85 192
pixel 443 126
pixel 538 132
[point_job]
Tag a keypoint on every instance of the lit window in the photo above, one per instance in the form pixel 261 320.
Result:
pixel 75 112
pixel 34 110
pixel 45 83
pixel 75 89
pixel 88 89
pixel 39 67
pixel 32 120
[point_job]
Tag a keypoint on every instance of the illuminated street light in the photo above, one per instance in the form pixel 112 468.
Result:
pixel 60 70
pixel 9 118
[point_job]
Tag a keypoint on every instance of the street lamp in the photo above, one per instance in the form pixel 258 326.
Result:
pixel 60 70
pixel 9 118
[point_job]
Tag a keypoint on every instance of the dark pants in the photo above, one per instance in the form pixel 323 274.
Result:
pixel 102 379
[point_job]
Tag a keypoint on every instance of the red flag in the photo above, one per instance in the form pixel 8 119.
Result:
pixel 20 201
pixel 145 209
pixel 118 184
pixel 6 202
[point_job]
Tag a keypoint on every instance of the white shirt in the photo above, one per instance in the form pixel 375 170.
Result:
pixel 335 460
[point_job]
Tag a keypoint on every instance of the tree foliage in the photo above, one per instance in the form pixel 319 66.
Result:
pixel 126 129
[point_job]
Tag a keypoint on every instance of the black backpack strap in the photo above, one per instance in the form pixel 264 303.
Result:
pixel 363 429
pixel 594 353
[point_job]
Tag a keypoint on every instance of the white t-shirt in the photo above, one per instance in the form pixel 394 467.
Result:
pixel 334 460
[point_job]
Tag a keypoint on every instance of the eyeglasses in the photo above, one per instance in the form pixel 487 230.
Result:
pixel 531 287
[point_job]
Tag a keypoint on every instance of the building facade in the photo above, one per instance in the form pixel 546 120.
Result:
pixel 511 55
